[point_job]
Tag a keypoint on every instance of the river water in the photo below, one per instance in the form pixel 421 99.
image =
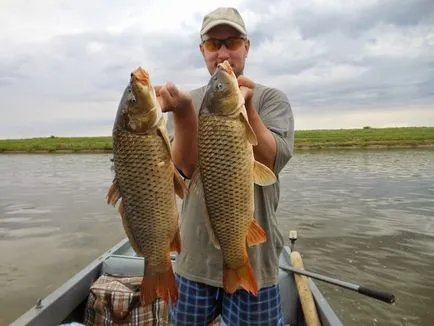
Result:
pixel 365 217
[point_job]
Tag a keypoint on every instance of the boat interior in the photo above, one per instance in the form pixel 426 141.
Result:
pixel 67 304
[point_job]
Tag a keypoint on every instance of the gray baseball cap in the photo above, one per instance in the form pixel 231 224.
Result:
pixel 223 15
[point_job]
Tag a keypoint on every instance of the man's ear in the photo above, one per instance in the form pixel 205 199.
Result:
pixel 247 46
pixel 201 48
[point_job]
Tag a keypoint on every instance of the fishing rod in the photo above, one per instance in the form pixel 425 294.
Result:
pixel 376 294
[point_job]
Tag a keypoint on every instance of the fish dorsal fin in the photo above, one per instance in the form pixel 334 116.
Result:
pixel 251 136
pixel 196 186
pixel 262 175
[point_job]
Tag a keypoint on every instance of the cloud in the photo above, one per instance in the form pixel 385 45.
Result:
pixel 346 55
pixel 355 18
pixel 64 64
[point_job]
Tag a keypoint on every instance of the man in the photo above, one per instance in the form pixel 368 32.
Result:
pixel 199 265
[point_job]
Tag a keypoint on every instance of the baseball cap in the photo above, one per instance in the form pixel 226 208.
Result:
pixel 223 15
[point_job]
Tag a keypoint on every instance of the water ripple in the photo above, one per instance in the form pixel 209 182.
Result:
pixel 362 216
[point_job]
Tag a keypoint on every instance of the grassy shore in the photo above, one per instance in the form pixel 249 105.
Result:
pixel 365 138
pixel 304 140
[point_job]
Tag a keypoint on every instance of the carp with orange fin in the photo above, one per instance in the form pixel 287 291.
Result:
pixel 226 174
pixel 146 183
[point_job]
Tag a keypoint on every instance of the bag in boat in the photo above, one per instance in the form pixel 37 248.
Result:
pixel 115 300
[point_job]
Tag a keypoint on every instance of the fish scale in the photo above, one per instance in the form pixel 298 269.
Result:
pixel 137 158
pixel 225 181
pixel 229 172
pixel 147 182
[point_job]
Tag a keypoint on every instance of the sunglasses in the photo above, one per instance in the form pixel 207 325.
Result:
pixel 231 43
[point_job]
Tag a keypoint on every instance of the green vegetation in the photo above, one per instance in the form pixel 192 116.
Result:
pixel 365 137
pixel 57 144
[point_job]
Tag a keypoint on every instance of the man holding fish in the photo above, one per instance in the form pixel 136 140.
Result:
pixel 230 138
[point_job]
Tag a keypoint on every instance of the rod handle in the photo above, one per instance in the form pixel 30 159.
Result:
pixel 380 295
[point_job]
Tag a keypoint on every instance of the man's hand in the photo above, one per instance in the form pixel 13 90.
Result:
pixel 246 87
pixel 184 145
pixel 173 99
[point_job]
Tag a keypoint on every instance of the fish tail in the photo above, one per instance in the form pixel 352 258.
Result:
pixel 241 277
pixel 161 285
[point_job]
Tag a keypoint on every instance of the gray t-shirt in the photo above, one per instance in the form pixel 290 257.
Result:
pixel 199 260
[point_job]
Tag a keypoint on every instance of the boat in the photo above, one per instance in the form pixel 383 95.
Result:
pixel 66 305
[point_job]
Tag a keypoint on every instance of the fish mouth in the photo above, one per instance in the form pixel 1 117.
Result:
pixel 225 66
pixel 140 75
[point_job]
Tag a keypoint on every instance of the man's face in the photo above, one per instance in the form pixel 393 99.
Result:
pixel 235 56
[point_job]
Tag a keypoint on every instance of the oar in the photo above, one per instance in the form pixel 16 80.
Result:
pixel 304 293
pixel 376 294
pixel 380 295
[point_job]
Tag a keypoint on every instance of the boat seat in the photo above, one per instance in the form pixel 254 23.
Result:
pixel 123 265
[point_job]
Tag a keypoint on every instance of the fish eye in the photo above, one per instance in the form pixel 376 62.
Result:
pixel 219 86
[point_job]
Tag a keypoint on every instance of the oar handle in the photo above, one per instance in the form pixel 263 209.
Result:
pixel 380 295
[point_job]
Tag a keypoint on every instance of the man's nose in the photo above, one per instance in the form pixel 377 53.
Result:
pixel 223 53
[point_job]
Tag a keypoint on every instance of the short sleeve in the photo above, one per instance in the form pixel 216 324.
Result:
pixel 275 111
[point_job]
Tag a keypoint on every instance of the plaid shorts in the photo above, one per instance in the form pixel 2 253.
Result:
pixel 200 304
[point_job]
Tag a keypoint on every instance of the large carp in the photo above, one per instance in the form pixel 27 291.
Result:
pixel 146 181
pixel 228 171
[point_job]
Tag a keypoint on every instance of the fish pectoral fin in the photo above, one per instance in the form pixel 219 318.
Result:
pixel 179 183
pixel 251 136
pixel 113 194
pixel 240 277
pixel 262 175
pixel 256 234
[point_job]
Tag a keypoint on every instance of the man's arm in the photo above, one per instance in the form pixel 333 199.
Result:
pixel 184 145
pixel 265 150
pixel 274 131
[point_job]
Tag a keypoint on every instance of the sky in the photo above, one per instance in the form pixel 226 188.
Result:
pixel 342 63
